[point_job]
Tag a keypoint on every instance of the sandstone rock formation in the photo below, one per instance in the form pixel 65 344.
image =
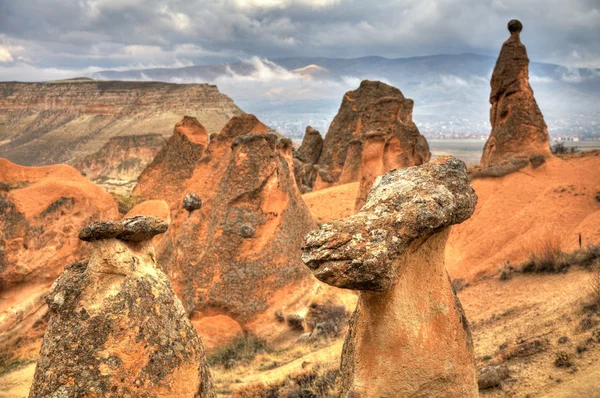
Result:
pixel 518 127
pixel 65 121
pixel 117 165
pixel 409 335
pixel 306 158
pixel 175 163
pixel 40 210
pixel 116 327
pixel 190 165
pixel 374 107
pixel 238 256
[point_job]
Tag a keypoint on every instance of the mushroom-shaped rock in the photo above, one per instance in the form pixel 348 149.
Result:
pixel 192 202
pixel 518 127
pixel 116 327
pixel 409 335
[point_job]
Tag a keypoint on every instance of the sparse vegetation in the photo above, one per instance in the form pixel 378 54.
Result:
pixel 241 351
pixel 318 382
pixel 327 320
pixel 125 203
pixel 560 148
pixel 595 287
pixel 547 257
pixel 562 360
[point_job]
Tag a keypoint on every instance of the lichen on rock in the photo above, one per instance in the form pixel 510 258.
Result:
pixel 409 335
pixel 116 326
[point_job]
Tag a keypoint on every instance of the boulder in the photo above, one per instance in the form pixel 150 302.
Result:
pixel 409 335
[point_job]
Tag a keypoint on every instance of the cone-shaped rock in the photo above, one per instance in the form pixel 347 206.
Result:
pixel 175 163
pixel 240 253
pixel 518 127
pixel 409 336
pixel 374 107
pixel 116 327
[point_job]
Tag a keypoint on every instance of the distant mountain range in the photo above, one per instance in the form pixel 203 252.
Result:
pixel 450 91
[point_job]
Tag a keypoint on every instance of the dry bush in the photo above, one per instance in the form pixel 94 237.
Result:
pixel 318 382
pixel 546 257
pixel 241 351
pixel 595 287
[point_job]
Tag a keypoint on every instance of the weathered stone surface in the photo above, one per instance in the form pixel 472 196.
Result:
pixel 492 376
pixel 374 107
pixel 63 122
pixel 117 329
pixel 518 127
pixel 240 255
pixel 192 202
pixel 131 229
pixel 175 163
pixel 41 210
pixel 409 335
pixel 311 147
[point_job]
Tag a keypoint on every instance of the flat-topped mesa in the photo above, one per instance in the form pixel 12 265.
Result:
pixel 409 335
pixel 239 256
pixel 373 107
pixel 116 327
pixel 518 127
pixel 175 163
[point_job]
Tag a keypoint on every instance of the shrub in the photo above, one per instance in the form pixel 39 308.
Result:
pixel 595 287
pixel 562 360
pixel 561 149
pixel 547 257
pixel 241 351
pixel 318 382
pixel 327 320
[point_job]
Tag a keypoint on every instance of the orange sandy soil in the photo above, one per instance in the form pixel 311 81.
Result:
pixel 515 214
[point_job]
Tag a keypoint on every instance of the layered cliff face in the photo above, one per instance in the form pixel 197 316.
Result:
pixel 65 121
pixel 41 208
pixel 518 127
pixel 117 165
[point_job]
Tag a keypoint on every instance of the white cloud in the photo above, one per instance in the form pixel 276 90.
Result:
pixel 5 55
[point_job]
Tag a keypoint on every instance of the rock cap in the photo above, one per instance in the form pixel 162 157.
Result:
pixel 130 229
pixel 359 252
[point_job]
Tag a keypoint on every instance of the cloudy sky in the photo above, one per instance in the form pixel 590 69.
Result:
pixel 45 39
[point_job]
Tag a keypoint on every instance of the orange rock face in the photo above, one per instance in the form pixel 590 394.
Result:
pixel 518 127
pixel 374 107
pixel 41 210
pixel 238 256
pixel 409 336
pixel 116 327
pixel 175 163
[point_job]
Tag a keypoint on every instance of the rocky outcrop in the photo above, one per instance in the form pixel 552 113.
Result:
pixel 373 108
pixel 175 163
pixel 65 121
pixel 117 165
pixel 518 127
pixel 409 335
pixel 238 255
pixel 306 157
pixel 116 327
pixel 41 208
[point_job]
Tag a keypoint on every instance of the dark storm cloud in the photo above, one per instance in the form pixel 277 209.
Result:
pixel 52 35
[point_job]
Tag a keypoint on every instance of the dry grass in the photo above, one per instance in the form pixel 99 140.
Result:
pixel 595 287
pixel 547 256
